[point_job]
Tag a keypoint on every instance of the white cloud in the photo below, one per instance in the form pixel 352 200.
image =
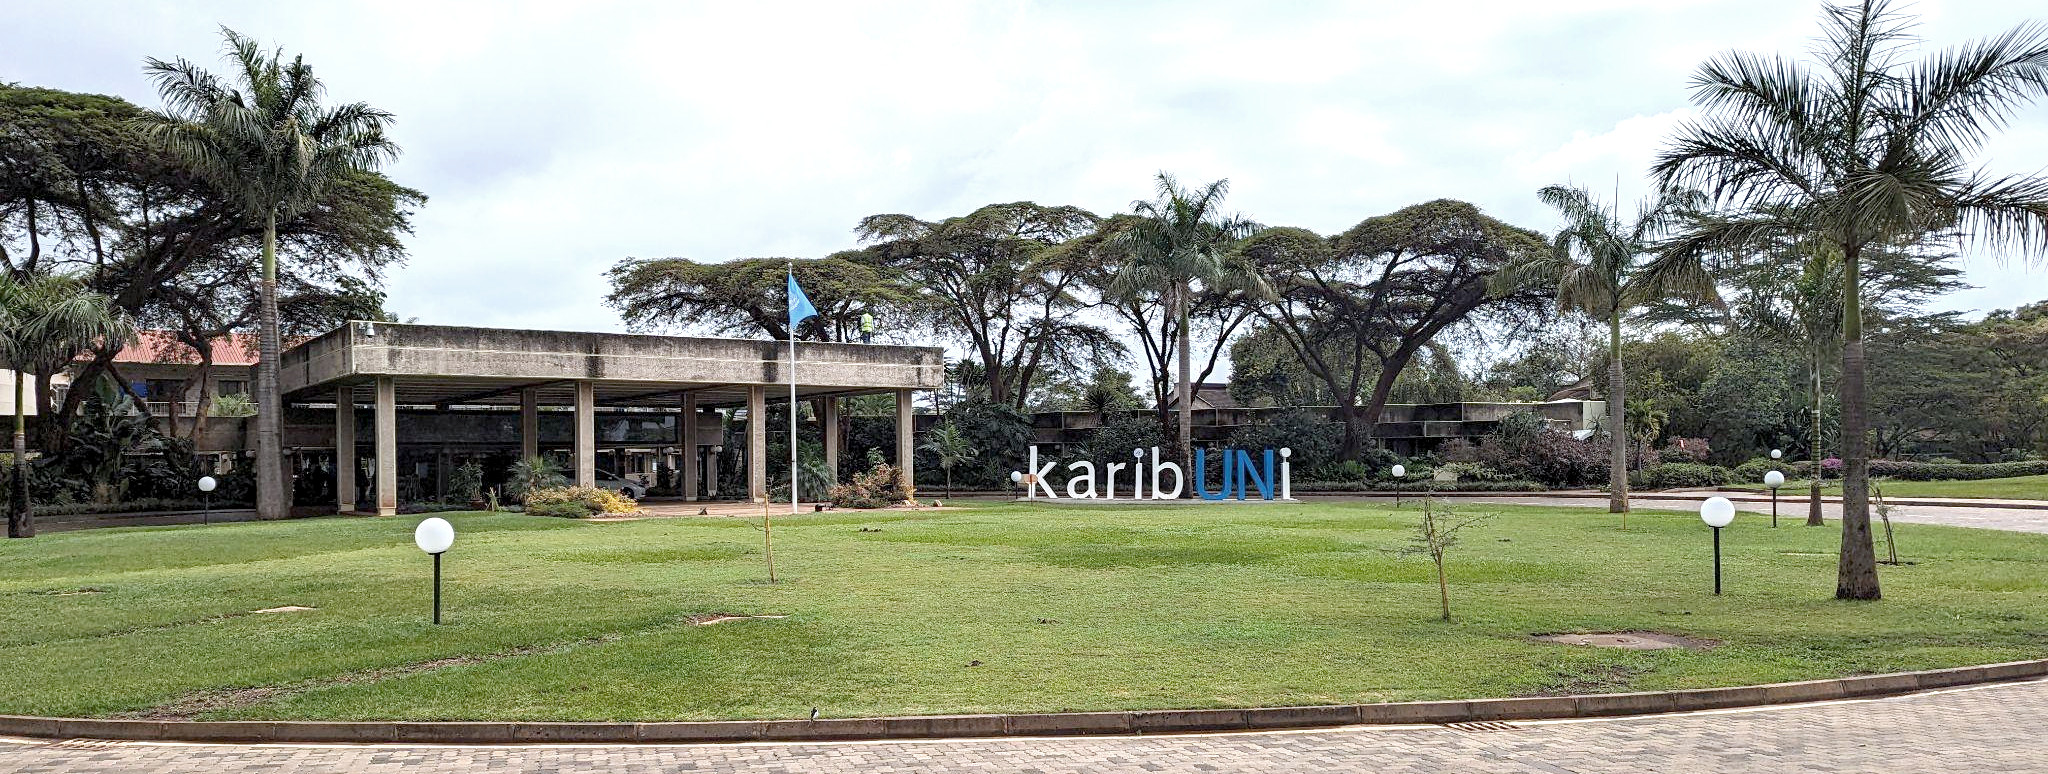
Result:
pixel 557 138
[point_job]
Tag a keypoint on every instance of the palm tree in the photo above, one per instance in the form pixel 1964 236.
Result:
pixel 1868 151
pixel 265 139
pixel 1180 240
pixel 1604 268
pixel 947 443
pixel 45 322
pixel 1816 301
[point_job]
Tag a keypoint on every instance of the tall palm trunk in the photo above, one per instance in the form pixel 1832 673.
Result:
pixel 270 495
pixel 1856 576
pixel 1617 396
pixel 1182 390
pixel 20 523
pixel 1813 510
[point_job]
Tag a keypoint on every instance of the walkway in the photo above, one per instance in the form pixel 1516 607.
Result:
pixel 1794 513
pixel 1978 729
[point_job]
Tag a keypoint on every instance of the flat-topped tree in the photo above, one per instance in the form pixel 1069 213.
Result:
pixel 1866 150
pixel 262 136
pixel 1358 307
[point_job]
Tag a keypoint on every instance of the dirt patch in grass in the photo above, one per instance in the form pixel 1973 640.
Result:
pixel 1581 680
pixel 1636 640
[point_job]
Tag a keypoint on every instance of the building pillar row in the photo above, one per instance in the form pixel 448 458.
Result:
pixel 387 446
pixel 345 449
pixel 529 423
pixel 586 433
pixel 906 449
pixel 757 443
pixel 687 437
pixel 828 428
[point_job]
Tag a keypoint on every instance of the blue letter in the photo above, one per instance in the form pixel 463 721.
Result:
pixel 1249 476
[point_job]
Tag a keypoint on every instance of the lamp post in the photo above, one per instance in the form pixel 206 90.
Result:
pixel 1717 512
pixel 1400 474
pixel 1774 479
pixel 434 536
pixel 206 485
pixel 1777 454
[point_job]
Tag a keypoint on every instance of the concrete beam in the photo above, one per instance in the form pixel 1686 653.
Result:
pixel 906 436
pixel 757 443
pixel 387 446
pixel 405 350
pixel 345 450
pixel 586 433
pixel 686 424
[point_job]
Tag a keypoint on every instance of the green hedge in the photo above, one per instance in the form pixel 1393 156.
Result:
pixel 1676 475
pixel 1955 471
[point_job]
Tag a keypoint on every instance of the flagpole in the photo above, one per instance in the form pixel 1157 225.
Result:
pixel 792 403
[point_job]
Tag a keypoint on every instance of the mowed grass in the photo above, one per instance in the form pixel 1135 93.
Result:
pixel 2015 488
pixel 992 608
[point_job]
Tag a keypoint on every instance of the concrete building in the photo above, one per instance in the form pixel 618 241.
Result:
pixel 664 396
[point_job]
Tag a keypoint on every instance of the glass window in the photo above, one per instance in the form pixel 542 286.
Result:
pixel 231 387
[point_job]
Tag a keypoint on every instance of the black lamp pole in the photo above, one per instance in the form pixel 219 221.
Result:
pixel 1717 562
pixel 437 578
pixel 1774 507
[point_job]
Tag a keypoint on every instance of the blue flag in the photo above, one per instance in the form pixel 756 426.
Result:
pixel 800 308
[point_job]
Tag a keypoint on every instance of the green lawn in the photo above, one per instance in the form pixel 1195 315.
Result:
pixel 2016 488
pixel 993 608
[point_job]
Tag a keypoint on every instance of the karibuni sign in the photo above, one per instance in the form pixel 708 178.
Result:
pixel 1268 474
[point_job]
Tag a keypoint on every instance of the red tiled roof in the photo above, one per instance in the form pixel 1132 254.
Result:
pixel 160 346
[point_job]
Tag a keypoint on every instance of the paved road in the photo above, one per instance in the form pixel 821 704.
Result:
pixel 2011 519
pixel 1980 729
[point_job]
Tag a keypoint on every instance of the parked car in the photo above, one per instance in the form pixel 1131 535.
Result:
pixel 631 489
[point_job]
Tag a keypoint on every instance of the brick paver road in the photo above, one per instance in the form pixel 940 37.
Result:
pixel 1979 729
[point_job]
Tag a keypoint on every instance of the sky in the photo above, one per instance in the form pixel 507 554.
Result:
pixel 556 139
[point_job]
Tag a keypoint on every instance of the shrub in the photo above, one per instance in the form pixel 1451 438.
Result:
pixel 1518 485
pixel 877 488
pixel 577 502
pixel 1692 450
pixel 1752 472
pixel 466 483
pixel 1674 475
pixel 1957 471
pixel 1474 472
pixel 1552 458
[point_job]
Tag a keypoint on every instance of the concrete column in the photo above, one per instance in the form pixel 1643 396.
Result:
pixel 711 472
pixel 828 426
pixel 586 433
pixel 906 452
pixel 529 423
pixel 387 446
pixel 687 436
pixel 757 443
pixel 345 449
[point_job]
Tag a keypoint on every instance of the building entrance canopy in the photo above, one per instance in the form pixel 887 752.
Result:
pixel 392 364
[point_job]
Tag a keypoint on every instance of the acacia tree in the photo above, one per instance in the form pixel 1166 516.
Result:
pixel 265 140
pixel 1600 264
pixel 1176 250
pixel 46 320
pixel 1866 151
pixel 1358 307
pixel 745 296
pixel 994 280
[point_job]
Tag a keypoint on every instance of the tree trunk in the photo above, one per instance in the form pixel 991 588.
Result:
pixel 1856 577
pixel 1184 392
pixel 270 489
pixel 1813 505
pixel 1617 395
pixel 20 522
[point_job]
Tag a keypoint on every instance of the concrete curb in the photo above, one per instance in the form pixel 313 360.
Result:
pixel 1050 724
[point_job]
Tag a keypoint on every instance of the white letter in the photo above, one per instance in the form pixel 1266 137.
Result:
pixel 1138 474
pixel 1286 474
pixel 1088 476
pixel 1038 477
pixel 1109 479
pixel 1179 480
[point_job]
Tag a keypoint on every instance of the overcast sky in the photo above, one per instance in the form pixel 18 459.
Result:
pixel 557 138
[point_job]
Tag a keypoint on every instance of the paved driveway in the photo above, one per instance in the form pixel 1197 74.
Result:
pixel 1979 729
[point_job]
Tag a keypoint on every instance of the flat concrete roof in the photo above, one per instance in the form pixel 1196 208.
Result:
pixel 451 365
